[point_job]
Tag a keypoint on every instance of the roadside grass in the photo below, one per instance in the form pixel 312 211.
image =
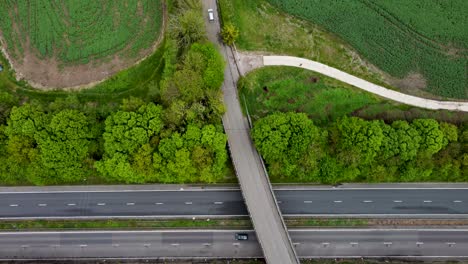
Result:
pixel 198 223
pixel 324 99
pixel 240 223
pixel 265 29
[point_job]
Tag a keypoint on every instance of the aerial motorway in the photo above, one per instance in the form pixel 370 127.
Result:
pixel 204 244
pixel 90 202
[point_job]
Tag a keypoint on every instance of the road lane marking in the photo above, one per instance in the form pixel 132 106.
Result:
pixel 367 201
pixel 419 244
pixel 353 244
pixel 115 245
pixel 325 244
pixel 130 203
pixel 71 204
pixel 450 244
pixel 457 201
pixel 338 201
pixel 13 205
pixel 147 245
pixel 307 201
pixel 218 202
pixel 42 205
pixel 188 202
pixel 397 201
pixel 83 245
pixel 101 204
pixel 427 201
pixel 206 244
pixel 175 244
pixel 159 203
pixel 296 244
pixel 236 244
pixel 387 244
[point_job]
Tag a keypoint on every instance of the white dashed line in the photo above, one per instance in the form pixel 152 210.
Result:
pixel 84 245
pixel 307 201
pixel 218 202
pixel 457 201
pixel 397 201
pixel 130 203
pixel 188 202
pixel 71 204
pixel 42 205
pixel 101 204
pixel 206 244
pixel 353 244
pixel 115 245
pixel 367 201
pixel 146 245
pixel 387 244
pixel 159 203
pixel 236 244
pixel 175 244
pixel 13 205
pixel 451 244
pixel 427 201
pixel 338 201
pixel 419 244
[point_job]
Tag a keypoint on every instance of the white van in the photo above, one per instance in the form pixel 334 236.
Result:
pixel 210 15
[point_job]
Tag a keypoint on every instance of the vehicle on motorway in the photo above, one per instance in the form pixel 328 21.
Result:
pixel 242 236
pixel 210 15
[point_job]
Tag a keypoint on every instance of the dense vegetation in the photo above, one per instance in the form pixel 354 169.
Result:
pixel 400 37
pixel 169 132
pixel 271 89
pixel 355 150
pixel 79 31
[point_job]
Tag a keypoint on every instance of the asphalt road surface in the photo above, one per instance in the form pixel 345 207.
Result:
pixel 256 190
pixel 336 202
pixel 222 244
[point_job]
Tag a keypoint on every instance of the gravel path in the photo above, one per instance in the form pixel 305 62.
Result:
pixel 249 62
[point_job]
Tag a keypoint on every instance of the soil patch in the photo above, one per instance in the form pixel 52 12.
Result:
pixel 49 74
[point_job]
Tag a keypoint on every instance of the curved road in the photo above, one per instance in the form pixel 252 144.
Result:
pixel 250 62
pixel 423 203
pixel 190 244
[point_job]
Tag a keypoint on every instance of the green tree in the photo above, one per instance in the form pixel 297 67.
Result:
pixel 361 136
pixel 432 137
pixel 284 140
pixel 187 27
pixel 125 138
pixel 229 33
pixel 64 145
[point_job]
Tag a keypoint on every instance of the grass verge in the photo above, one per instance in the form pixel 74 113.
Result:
pixel 324 99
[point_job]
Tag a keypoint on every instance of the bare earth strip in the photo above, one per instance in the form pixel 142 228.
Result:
pixel 46 74
pixel 249 62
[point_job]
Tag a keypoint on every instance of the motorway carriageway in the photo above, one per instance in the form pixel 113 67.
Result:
pixel 335 243
pixel 431 202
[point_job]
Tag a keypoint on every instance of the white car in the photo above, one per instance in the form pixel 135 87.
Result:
pixel 210 15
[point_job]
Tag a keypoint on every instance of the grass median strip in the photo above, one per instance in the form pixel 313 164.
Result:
pixel 204 223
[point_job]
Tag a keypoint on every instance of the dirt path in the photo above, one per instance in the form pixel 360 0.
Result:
pixel 48 74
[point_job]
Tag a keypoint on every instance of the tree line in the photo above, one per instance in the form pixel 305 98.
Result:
pixel 355 150
pixel 174 137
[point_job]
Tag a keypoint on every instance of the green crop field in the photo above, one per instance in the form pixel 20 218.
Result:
pixel 78 31
pixel 401 37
